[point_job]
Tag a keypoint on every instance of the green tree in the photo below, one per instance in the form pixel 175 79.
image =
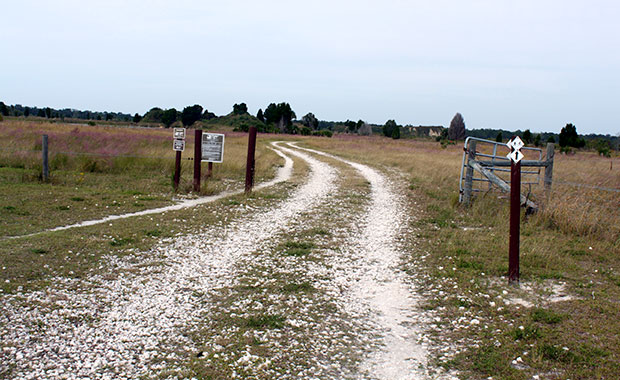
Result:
pixel 4 110
pixel 351 125
pixel 191 115
pixel 27 111
pixel 48 112
pixel 240 109
pixel 137 118
pixel 570 138
pixel 154 115
pixel 108 116
pixel 388 127
pixel 41 113
pixel 537 141
pixel 260 116
pixel 499 137
pixel 169 116
pixel 551 139
pixel 281 115
pixel 396 132
pixel 527 136
pixel 206 115
pixel 457 128
pixel 310 121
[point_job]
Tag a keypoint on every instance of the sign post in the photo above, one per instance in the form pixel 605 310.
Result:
pixel 197 158
pixel 179 146
pixel 250 164
pixel 515 156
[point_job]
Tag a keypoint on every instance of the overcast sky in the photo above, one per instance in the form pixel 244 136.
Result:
pixel 501 64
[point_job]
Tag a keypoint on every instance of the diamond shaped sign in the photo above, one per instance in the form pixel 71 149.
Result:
pixel 515 156
pixel 515 143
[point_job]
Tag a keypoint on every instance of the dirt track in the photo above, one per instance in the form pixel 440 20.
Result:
pixel 234 303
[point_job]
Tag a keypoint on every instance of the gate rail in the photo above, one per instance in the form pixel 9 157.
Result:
pixel 494 163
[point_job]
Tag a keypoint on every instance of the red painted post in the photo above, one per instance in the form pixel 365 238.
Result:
pixel 515 222
pixel 177 170
pixel 249 167
pixel 197 158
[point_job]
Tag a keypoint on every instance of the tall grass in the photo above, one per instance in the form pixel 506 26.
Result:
pixel 583 211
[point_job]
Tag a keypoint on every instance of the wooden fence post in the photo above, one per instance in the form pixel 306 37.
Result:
pixel 46 170
pixel 469 173
pixel 549 168
pixel 197 158
pixel 250 164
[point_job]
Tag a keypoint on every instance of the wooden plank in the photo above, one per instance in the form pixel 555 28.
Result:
pixel 469 174
pixel 501 183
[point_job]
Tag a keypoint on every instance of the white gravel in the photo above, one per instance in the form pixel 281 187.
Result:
pixel 112 329
pixel 140 321
pixel 380 285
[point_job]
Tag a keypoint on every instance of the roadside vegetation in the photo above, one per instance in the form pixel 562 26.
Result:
pixel 97 171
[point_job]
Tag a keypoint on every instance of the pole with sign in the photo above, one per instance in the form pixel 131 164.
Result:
pixel 515 157
pixel 178 145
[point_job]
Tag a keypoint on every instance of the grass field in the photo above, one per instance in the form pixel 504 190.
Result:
pixel 564 320
pixel 103 170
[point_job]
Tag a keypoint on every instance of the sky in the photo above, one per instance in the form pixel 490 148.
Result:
pixel 502 64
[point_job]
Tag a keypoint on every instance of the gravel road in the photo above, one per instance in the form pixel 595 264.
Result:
pixel 157 315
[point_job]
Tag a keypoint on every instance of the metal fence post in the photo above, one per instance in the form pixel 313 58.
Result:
pixel 469 173
pixel 549 168
pixel 46 170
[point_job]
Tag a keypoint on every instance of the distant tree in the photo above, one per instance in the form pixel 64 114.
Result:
pixel 4 110
pixel 154 115
pixel 527 136
pixel 281 115
pixel 396 132
pixel 551 139
pixel 240 109
pixel 457 128
pixel 260 116
pixel 305 131
pixel 499 137
pixel 1 117
pixel 169 116
pixel 365 129
pixel 108 116
pixel 351 125
pixel 570 138
pixel 206 115
pixel 137 118
pixel 48 112
pixel 191 115
pixel 98 116
pixel 310 121
pixel 27 112
pixel 41 113
pixel 388 127
pixel 537 141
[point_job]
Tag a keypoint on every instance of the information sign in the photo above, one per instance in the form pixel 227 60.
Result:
pixel 178 145
pixel 213 147
pixel 179 133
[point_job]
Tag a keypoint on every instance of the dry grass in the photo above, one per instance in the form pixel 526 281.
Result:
pixel 574 240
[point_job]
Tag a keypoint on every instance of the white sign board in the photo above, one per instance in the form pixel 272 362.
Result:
pixel 213 147
pixel 178 145
pixel 179 133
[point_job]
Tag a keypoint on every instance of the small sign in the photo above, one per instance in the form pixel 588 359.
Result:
pixel 213 147
pixel 515 143
pixel 179 133
pixel 516 154
pixel 178 145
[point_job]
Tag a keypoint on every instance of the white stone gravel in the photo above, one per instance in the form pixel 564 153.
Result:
pixel 102 329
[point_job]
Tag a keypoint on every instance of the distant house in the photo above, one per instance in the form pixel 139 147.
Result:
pixel 424 131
